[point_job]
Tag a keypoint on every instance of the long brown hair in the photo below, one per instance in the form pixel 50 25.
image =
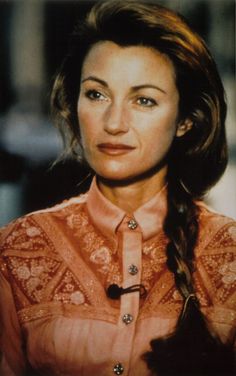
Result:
pixel 196 160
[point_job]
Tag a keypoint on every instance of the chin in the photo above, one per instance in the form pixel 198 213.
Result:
pixel 114 171
pixel 116 176
pixel 121 176
pixel 121 179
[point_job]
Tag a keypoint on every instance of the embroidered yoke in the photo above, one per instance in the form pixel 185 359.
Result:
pixel 57 264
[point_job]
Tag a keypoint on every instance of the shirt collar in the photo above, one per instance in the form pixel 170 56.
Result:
pixel 107 217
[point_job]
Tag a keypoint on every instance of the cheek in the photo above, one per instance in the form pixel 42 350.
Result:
pixel 160 136
pixel 86 124
pixel 82 114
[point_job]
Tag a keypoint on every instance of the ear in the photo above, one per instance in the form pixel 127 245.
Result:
pixel 184 127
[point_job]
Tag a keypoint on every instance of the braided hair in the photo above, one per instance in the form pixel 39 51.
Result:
pixel 196 160
pixel 192 349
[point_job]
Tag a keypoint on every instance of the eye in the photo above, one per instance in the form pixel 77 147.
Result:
pixel 146 102
pixel 94 95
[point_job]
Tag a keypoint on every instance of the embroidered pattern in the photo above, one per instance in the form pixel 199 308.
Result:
pixel 225 237
pixel 228 272
pixel 69 291
pixel 33 275
pixel 98 252
pixel 220 269
pixel 154 259
pixel 41 274
pixel 217 280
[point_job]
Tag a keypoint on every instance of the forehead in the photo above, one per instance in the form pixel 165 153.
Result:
pixel 139 63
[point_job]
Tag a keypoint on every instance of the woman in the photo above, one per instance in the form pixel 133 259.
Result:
pixel 136 277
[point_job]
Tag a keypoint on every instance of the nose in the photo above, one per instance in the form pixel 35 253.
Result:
pixel 116 121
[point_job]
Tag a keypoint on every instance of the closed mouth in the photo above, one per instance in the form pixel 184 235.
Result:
pixel 115 146
pixel 114 150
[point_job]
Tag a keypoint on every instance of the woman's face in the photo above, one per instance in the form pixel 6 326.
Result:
pixel 127 110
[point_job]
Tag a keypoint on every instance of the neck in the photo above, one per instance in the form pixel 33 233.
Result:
pixel 129 196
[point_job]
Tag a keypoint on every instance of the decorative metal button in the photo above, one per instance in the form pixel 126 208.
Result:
pixel 127 318
pixel 118 369
pixel 132 224
pixel 133 269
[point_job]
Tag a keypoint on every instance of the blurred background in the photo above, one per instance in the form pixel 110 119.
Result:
pixel 33 41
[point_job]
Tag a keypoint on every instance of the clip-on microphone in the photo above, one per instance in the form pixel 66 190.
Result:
pixel 114 291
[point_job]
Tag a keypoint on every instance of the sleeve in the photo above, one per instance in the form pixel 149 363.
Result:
pixel 12 362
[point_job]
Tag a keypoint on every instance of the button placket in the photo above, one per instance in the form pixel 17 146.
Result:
pixel 132 253
pixel 129 303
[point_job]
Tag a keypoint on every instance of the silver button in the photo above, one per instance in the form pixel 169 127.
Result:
pixel 132 224
pixel 133 269
pixel 127 318
pixel 118 369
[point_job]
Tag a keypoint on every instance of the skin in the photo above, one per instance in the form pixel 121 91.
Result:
pixel 128 116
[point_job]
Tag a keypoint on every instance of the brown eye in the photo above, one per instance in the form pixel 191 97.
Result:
pixel 94 95
pixel 146 102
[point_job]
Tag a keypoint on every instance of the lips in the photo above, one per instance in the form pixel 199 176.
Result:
pixel 115 149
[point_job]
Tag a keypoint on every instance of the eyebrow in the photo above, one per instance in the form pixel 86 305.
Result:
pixel 96 79
pixel 148 86
pixel 134 88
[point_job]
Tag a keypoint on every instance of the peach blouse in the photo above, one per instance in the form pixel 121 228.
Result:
pixel 56 265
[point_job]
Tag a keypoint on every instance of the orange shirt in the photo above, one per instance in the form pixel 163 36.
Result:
pixel 56 265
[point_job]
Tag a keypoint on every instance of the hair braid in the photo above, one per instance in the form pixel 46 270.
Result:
pixel 181 227
pixel 192 349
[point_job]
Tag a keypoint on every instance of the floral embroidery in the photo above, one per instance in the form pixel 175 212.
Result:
pixel 154 260
pixel 219 263
pixel 77 221
pixel 232 266
pixel 96 250
pixel 33 231
pixel 101 256
pixel 69 290
pixel 228 272
pixel 225 237
pixel 77 298
pixel 33 274
pixel 23 272
pixel 28 237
